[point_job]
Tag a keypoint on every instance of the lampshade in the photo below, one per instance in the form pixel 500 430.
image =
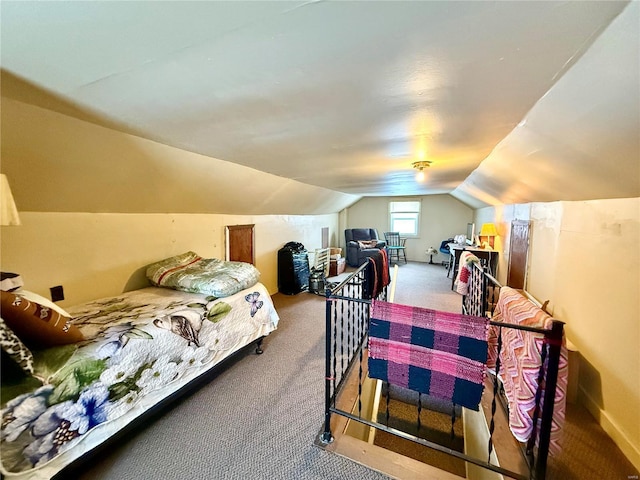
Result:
pixel 8 211
pixel 488 230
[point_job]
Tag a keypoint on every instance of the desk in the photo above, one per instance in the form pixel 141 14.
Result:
pixel 487 257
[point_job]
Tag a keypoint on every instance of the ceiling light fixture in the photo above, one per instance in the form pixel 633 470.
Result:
pixel 420 166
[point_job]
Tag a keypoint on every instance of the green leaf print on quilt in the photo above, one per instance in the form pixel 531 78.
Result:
pixel 218 312
pixel 139 334
pixel 129 384
pixel 49 361
pixel 70 380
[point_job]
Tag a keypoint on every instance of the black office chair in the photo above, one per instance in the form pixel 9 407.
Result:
pixel 444 248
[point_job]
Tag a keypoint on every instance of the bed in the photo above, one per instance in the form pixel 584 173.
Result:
pixel 136 351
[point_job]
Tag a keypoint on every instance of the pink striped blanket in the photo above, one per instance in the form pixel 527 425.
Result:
pixel 520 360
pixel 440 354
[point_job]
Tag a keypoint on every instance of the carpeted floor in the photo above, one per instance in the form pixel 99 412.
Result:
pixel 259 417
pixel 425 285
pixel 588 452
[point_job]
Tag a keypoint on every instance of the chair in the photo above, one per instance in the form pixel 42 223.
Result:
pixel 357 254
pixel 444 248
pixel 395 246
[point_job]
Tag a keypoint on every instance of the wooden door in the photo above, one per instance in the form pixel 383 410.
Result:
pixel 518 253
pixel 239 243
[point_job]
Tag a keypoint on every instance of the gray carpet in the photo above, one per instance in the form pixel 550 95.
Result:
pixel 257 420
pixel 425 285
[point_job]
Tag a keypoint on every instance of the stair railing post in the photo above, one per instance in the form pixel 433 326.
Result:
pixel 326 436
pixel 555 345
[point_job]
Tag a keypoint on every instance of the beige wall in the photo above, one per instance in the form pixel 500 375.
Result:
pixel 95 255
pixel 585 259
pixel 442 216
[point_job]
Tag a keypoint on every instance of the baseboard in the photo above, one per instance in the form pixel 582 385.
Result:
pixel 620 439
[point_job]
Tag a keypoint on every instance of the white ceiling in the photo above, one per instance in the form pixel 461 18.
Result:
pixel 512 101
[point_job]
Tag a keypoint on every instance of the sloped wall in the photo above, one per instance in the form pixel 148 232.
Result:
pixel 57 163
pixel 580 140
pixel 584 259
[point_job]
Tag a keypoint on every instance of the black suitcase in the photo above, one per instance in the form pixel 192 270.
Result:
pixel 293 269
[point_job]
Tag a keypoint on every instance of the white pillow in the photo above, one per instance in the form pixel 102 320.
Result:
pixel 34 297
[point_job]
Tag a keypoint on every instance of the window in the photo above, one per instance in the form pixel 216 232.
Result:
pixel 404 218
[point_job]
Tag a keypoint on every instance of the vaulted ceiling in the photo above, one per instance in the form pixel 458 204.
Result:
pixel 513 102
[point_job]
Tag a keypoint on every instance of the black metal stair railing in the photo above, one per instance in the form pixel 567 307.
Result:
pixel 347 319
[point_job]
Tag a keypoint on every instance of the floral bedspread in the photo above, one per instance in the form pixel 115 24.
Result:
pixel 143 346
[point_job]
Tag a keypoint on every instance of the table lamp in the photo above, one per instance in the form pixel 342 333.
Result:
pixel 489 232
pixel 431 252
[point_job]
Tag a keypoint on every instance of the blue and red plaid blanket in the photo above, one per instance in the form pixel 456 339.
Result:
pixel 440 354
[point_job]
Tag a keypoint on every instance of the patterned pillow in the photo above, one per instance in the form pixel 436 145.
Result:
pixel 14 347
pixel 156 272
pixel 35 324
pixel 191 273
pixel 45 302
